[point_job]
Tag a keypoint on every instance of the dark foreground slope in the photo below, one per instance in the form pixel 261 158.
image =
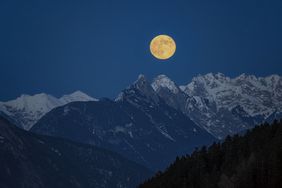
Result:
pixel 28 160
pixel 250 161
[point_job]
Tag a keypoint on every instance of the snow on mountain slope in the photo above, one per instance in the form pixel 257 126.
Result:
pixel 257 96
pixel 164 81
pixel 225 105
pixel 76 96
pixel 26 110
pixel 169 91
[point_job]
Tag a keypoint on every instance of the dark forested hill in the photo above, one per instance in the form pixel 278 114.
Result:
pixel 31 161
pixel 253 160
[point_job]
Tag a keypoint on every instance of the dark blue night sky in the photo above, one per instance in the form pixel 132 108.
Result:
pixel 100 47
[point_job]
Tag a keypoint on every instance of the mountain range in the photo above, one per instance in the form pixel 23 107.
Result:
pixel 138 124
pixel 215 102
pixel 154 118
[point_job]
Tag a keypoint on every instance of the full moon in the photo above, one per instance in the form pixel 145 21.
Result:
pixel 162 47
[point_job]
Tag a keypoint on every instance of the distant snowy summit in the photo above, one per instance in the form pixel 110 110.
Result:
pixel 26 110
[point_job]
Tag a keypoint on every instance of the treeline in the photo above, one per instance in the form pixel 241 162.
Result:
pixel 253 160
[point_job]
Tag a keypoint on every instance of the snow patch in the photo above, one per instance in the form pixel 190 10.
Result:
pixel 163 132
pixel 162 81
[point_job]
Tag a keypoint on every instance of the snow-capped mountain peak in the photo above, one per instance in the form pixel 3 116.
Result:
pixel 26 110
pixel 76 96
pixel 33 102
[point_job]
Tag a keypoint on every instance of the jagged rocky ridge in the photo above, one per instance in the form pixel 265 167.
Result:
pixel 224 105
pixel 29 160
pixel 138 124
